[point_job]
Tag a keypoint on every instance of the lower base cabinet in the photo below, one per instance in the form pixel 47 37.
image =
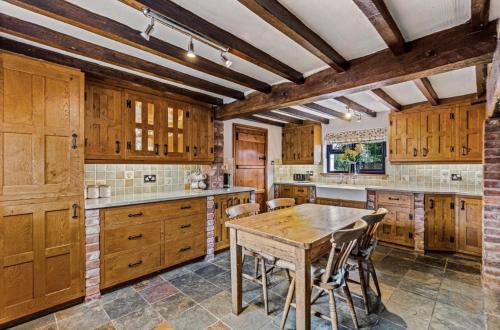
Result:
pixel 398 225
pixel 440 223
pixel 340 202
pixel 470 228
pixel 221 203
pixel 301 193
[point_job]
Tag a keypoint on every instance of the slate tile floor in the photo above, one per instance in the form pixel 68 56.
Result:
pixel 432 291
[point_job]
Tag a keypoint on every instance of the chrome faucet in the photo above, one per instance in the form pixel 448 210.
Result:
pixel 354 178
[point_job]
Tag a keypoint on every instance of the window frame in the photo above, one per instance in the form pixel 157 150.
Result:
pixel 330 150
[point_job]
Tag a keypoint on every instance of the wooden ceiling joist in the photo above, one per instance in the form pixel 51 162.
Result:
pixel 104 71
pixel 386 99
pixel 281 117
pixel 356 106
pixel 425 86
pixel 236 46
pixel 69 13
pixel 74 45
pixel 381 19
pixel 443 51
pixel 284 21
pixel 480 12
pixel 481 76
pixel 325 110
pixel 305 115
pixel 265 121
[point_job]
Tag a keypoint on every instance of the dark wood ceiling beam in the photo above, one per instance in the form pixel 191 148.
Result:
pixel 480 12
pixel 356 106
pixel 425 87
pixel 69 13
pixel 386 99
pixel 325 110
pixel 440 52
pixel 236 45
pixel 481 77
pixel 264 121
pixel 493 85
pixel 305 115
pixel 74 45
pixel 281 117
pixel 284 21
pixel 381 19
pixel 104 71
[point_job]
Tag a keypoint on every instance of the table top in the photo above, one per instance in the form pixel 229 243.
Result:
pixel 302 225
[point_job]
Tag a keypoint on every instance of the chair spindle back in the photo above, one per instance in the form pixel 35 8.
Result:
pixel 280 203
pixel 242 210
pixel 373 220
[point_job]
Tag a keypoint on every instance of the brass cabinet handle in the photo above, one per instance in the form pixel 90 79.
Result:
pixel 185 249
pixel 185 207
pixel 74 136
pixel 134 237
pixel 75 211
pixel 135 215
pixel 185 226
pixel 135 264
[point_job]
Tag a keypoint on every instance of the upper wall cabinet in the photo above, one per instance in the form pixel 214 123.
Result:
pixel 202 137
pixel 41 129
pixel 301 144
pixel 451 132
pixel 175 131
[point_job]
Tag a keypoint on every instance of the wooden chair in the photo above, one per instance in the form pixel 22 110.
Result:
pixel 242 211
pixel 330 274
pixel 280 203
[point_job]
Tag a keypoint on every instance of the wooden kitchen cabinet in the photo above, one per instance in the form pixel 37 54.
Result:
pixel 301 193
pixel 221 203
pixel 404 136
pixel 175 133
pixel 341 202
pixel 437 135
pixel 301 144
pixel 202 134
pixel 470 133
pixel 469 225
pixel 440 222
pixel 398 225
pixel 103 123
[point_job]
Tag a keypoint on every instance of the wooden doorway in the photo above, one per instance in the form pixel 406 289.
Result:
pixel 250 157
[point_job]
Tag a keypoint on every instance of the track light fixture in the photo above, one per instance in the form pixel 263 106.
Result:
pixel 225 60
pixel 348 114
pixel 190 52
pixel 149 29
pixel 358 117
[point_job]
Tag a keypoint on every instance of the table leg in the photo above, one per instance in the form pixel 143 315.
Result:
pixel 303 289
pixel 236 272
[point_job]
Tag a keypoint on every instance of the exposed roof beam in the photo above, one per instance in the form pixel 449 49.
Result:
pixel 442 102
pixel 264 121
pixel 284 21
pixel 443 51
pixel 356 106
pixel 236 45
pixel 65 42
pixel 281 117
pixel 480 12
pixel 386 99
pixel 481 76
pixel 305 115
pixel 381 19
pixel 425 86
pixel 104 71
pixel 493 85
pixel 325 110
pixel 74 15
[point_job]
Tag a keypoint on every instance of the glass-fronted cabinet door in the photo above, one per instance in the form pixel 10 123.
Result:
pixel 175 131
pixel 143 120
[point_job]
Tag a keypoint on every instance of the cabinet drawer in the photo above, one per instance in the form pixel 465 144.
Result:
pixel 128 215
pixel 286 190
pixel 185 227
pixel 301 191
pixel 128 265
pixel 400 199
pixel 179 251
pixel 185 208
pixel 131 237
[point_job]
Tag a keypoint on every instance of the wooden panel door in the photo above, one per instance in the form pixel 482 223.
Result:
pixel 222 202
pixel 41 255
pixel 470 133
pixel 175 131
pixel 404 137
pixel 306 144
pixel 440 222
pixel 397 226
pixel 143 113
pixel 41 129
pixel 202 134
pixel 437 134
pixel 288 146
pixel 469 229
pixel 103 123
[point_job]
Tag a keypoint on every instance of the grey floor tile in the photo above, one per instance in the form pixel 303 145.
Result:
pixel 460 301
pixel 252 317
pixel 173 306
pixel 115 294
pixel 210 271
pixel 41 322
pixel 174 272
pixel 223 262
pixel 405 254
pixel 124 305
pixel 470 267
pixel 195 286
pixel 84 316
pixel 492 321
pixel 447 317
pixel 394 265
pixel 197 264
pixel 408 309
pixel 491 301
pixel 144 319
pixel 194 318
pixel 471 279
pixel 431 261
pixel 219 325
pixel 429 289
pixel 219 305
pixel 222 280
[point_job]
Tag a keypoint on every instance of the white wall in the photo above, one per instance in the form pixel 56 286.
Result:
pixel 273 145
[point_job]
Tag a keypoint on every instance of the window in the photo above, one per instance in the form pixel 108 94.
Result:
pixel 372 159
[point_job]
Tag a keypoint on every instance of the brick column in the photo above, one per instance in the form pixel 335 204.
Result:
pixel 210 228
pixel 370 199
pixel 92 255
pixel 215 181
pixel 419 220
pixel 491 217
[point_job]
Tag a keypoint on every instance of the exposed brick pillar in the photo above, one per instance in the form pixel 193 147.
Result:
pixel 210 228
pixel 370 199
pixel 491 219
pixel 419 222
pixel 92 255
pixel 216 181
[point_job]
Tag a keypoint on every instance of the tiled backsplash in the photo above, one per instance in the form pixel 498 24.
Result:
pixel 168 177
pixel 425 175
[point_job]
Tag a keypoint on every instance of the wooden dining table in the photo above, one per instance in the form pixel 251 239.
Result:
pixel 300 234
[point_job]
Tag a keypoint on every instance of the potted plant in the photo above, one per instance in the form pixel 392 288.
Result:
pixel 353 156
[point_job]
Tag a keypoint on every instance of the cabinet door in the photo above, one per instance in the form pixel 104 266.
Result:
pixel 470 215
pixel 470 133
pixel 404 136
pixel 202 134
pixel 41 255
pixel 397 226
pixel 437 134
pixel 287 146
pixel 306 144
pixel 41 129
pixel 440 222
pixel 175 131
pixel 143 126
pixel 286 191
pixel 103 123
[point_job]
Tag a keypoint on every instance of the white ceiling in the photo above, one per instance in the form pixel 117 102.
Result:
pixel 338 22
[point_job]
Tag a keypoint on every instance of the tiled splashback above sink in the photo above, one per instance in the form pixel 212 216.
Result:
pixel 168 177
pixel 425 175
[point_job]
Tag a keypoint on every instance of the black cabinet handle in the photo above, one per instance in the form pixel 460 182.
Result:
pixel 73 141
pixel 298 155
pixel 185 249
pixel 425 152
pixel 432 203
pixel 195 150
pixel 415 152
pixel 165 149
pixel 393 198
pixel 300 190
pixel 462 205
pixel 75 211
pixel 134 264
pixel 464 151
pixel 135 215
pixel 134 237
pixel 117 147
pixel 185 207
pixel 185 226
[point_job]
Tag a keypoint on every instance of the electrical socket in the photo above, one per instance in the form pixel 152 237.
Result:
pixel 149 178
pixel 456 177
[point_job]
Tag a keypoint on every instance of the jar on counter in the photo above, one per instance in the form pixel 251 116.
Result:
pixel 92 191
pixel 104 191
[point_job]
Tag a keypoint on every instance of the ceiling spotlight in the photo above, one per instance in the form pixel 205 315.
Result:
pixel 358 118
pixel 225 60
pixel 348 114
pixel 191 52
pixel 149 29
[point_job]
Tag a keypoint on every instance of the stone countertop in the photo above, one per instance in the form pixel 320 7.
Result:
pixel 130 199
pixel 393 187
